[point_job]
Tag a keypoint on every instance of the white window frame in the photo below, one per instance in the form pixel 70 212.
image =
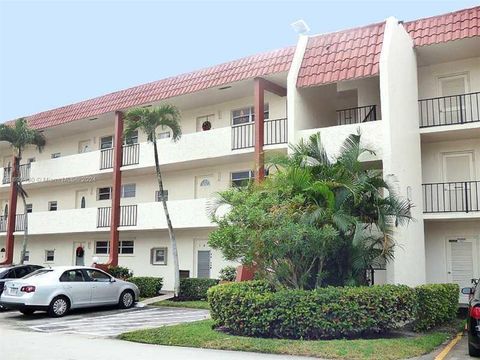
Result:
pixel 26 255
pixel 249 111
pixel 109 193
pixel 153 253
pixel 131 140
pixel 30 207
pixel 164 135
pixel 102 140
pixel 51 204
pixel 128 193
pixel 250 178
pixel 121 247
pixel 47 251
pixel 441 78
pixel 469 153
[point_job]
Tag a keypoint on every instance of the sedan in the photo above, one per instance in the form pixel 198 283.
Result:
pixel 11 272
pixel 57 290
pixel 473 321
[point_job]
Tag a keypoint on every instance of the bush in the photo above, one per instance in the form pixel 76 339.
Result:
pixel 228 273
pixel 120 272
pixel 255 309
pixel 436 304
pixel 195 289
pixel 148 286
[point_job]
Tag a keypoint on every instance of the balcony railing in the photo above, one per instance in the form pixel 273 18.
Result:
pixel 24 173
pixel 449 197
pixel 128 216
pixel 130 156
pixel 357 115
pixel 275 132
pixel 449 110
pixel 19 223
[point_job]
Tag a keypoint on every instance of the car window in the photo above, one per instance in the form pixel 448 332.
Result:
pixel 99 276
pixel 10 274
pixel 3 272
pixel 21 272
pixel 39 272
pixel 72 276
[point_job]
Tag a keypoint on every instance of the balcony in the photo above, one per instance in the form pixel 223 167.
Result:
pixel 450 110
pixel 130 156
pixel 24 173
pixel 19 223
pixel 357 115
pixel 451 197
pixel 128 216
pixel 275 132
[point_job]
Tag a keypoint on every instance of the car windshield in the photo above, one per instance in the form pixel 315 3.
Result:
pixel 38 273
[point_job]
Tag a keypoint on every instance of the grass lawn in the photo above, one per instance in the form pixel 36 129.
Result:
pixel 184 304
pixel 200 334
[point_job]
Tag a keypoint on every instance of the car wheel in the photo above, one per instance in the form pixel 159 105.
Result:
pixel 473 351
pixel 59 306
pixel 127 300
pixel 27 312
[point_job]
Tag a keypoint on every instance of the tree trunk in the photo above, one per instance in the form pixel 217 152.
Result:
pixel 173 241
pixel 18 184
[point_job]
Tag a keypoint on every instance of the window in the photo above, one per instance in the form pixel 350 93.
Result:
pixel 104 193
pixel 205 183
pixel 52 206
pixel 55 155
pixel 246 115
pixel 128 190
pixel 159 198
pixel 164 135
pixel 132 139
pixel 96 275
pixel 106 142
pixel 124 247
pixel 72 276
pixel 159 256
pixel 241 178
pixel 102 247
pixel 49 255
pixel 29 208
pixel 26 256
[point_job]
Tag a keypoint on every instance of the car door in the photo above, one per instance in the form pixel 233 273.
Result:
pixel 104 290
pixel 76 287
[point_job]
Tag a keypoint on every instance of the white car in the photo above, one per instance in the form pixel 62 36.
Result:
pixel 59 289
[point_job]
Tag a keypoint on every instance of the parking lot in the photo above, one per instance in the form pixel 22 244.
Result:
pixel 101 322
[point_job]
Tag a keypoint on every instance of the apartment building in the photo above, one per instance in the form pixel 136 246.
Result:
pixel 411 88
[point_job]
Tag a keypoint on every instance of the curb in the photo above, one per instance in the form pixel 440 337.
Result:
pixel 449 346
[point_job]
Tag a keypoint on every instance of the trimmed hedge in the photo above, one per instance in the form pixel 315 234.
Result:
pixel 195 288
pixel 148 286
pixel 437 303
pixel 120 272
pixel 255 309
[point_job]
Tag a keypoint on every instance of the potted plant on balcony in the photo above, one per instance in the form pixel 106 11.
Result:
pixel 207 125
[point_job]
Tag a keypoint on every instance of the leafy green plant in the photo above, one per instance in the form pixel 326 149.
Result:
pixel 148 286
pixel 228 273
pixel 436 304
pixel 255 309
pixel 195 288
pixel 120 272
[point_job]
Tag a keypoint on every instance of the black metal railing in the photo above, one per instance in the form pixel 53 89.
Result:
pixel 128 216
pixel 449 110
pixel 130 154
pixel 357 115
pixel 24 173
pixel 19 223
pixel 462 196
pixel 106 158
pixel 275 132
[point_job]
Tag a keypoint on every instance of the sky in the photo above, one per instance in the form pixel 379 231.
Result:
pixel 54 53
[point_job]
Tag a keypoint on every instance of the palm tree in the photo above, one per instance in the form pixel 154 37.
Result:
pixel 148 120
pixel 20 136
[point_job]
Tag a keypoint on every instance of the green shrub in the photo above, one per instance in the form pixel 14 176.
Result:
pixel 228 273
pixel 436 304
pixel 148 286
pixel 120 272
pixel 255 309
pixel 195 288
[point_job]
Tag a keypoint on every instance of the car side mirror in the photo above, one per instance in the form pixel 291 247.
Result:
pixel 112 280
pixel 467 291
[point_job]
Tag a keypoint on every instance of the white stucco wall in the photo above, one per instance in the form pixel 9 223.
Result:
pixel 401 150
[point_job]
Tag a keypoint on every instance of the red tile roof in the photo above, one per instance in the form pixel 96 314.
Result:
pixel 342 55
pixel 257 65
pixel 447 27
